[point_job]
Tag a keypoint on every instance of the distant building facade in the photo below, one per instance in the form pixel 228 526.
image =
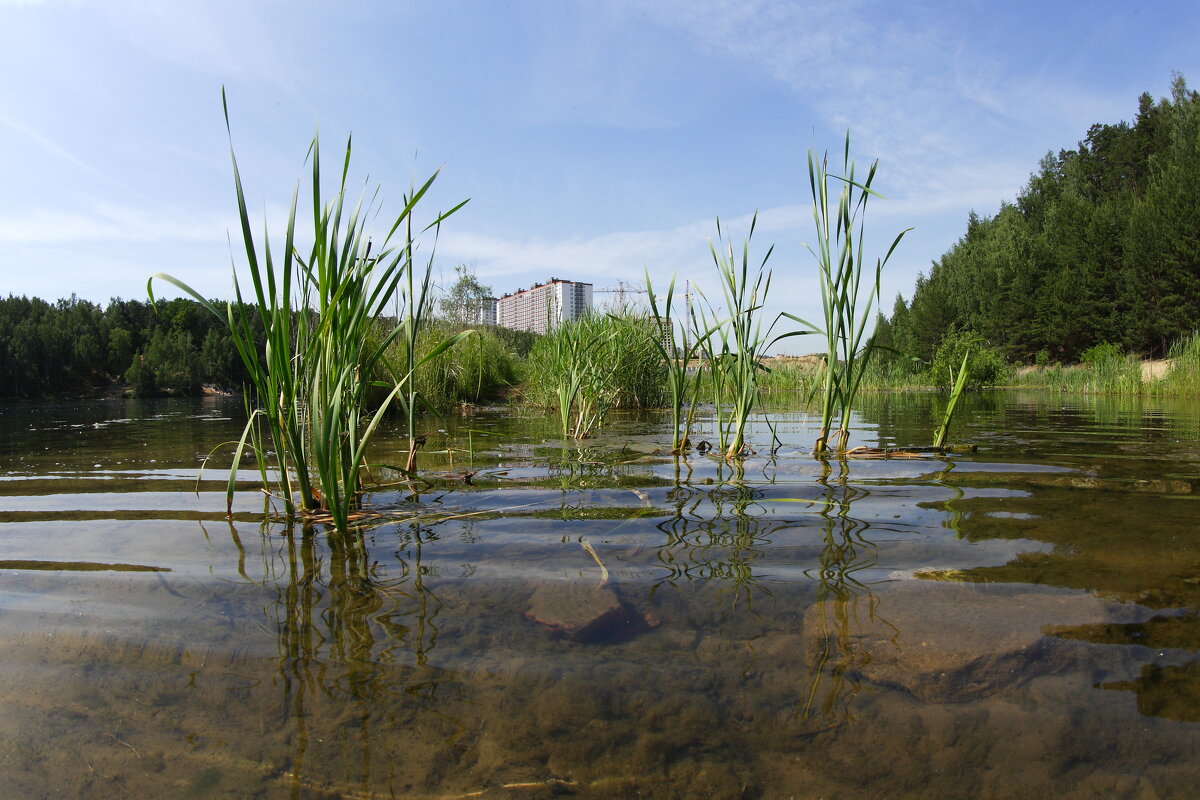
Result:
pixel 544 306
pixel 486 313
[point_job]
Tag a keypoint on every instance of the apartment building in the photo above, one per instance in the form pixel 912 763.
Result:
pixel 544 305
pixel 486 313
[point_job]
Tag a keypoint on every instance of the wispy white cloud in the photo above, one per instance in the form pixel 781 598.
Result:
pixel 904 79
pixel 105 222
pixel 58 151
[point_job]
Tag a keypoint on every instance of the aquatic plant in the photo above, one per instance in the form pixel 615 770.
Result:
pixel 743 339
pixel 682 382
pixel 319 315
pixel 960 383
pixel 847 304
pixel 588 366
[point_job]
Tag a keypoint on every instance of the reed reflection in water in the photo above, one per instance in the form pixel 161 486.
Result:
pixel 353 633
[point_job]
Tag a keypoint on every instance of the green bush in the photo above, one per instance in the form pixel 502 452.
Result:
pixel 1102 354
pixel 986 366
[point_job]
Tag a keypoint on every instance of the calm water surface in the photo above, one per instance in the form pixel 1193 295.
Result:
pixel 1021 621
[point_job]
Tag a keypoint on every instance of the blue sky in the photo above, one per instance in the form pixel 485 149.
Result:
pixel 594 139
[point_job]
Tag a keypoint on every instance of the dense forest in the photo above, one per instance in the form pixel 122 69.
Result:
pixel 76 347
pixel 1101 247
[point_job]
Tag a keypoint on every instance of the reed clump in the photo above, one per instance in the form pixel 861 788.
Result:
pixel 683 382
pixel 480 369
pixel 1183 376
pixel 1103 369
pixel 586 367
pixel 736 346
pixel 847 301
pixel 309 415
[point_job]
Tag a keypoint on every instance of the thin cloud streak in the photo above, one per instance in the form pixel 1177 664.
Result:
pixel 60 152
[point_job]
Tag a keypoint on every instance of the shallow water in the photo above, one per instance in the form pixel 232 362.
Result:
pixel 1021 621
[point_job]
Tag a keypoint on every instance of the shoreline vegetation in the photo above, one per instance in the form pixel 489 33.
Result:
pixel 1088 283
pixel 76 349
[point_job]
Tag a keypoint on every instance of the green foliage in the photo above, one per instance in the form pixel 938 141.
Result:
pixel 1102 245
pixel 588 366
pixel 309 417
pixel 985 368
pixel 169 365
pixel 1101 354
pixel 73 346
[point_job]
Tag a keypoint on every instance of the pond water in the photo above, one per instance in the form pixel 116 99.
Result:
pixel 600 620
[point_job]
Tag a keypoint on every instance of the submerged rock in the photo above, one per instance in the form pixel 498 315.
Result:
pixel 947 642
pixel 581 611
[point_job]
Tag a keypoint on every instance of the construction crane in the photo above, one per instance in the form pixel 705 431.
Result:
pixel 620 289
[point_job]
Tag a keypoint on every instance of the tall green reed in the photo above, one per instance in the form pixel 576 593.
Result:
pixel 1183 376
pixel 682 382
pixel 307 399
pixel 960 383
pixel 477 370
pixel 588 366
pixel 846 307
pixel 743 339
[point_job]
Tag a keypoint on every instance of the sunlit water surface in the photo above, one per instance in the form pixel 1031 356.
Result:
pixel 1021 621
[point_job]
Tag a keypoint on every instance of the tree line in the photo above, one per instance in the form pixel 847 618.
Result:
pixel 74 346
pixel 1102 246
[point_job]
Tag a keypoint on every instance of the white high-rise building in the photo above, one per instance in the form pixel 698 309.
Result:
pixel 486 313
pixel 544 305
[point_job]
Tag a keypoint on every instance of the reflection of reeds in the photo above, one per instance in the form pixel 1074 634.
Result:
pixel 718 544
pixel 344 630
pixel 841 598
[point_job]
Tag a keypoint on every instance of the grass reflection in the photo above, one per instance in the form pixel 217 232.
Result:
pixel 351 630
pixel 842 599
pixel 715 535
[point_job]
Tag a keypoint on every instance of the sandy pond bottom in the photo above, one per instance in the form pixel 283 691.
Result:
pixel 1020 623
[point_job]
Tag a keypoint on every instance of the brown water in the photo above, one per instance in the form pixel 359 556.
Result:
pixel 1023 621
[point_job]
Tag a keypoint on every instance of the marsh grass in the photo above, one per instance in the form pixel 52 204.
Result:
pixel 479 369
pixel 683 383
pixel 744 340
pixel 847 302
pixel 586 367
pixel 309 421
pixel 1183 380
pixel 1103 369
